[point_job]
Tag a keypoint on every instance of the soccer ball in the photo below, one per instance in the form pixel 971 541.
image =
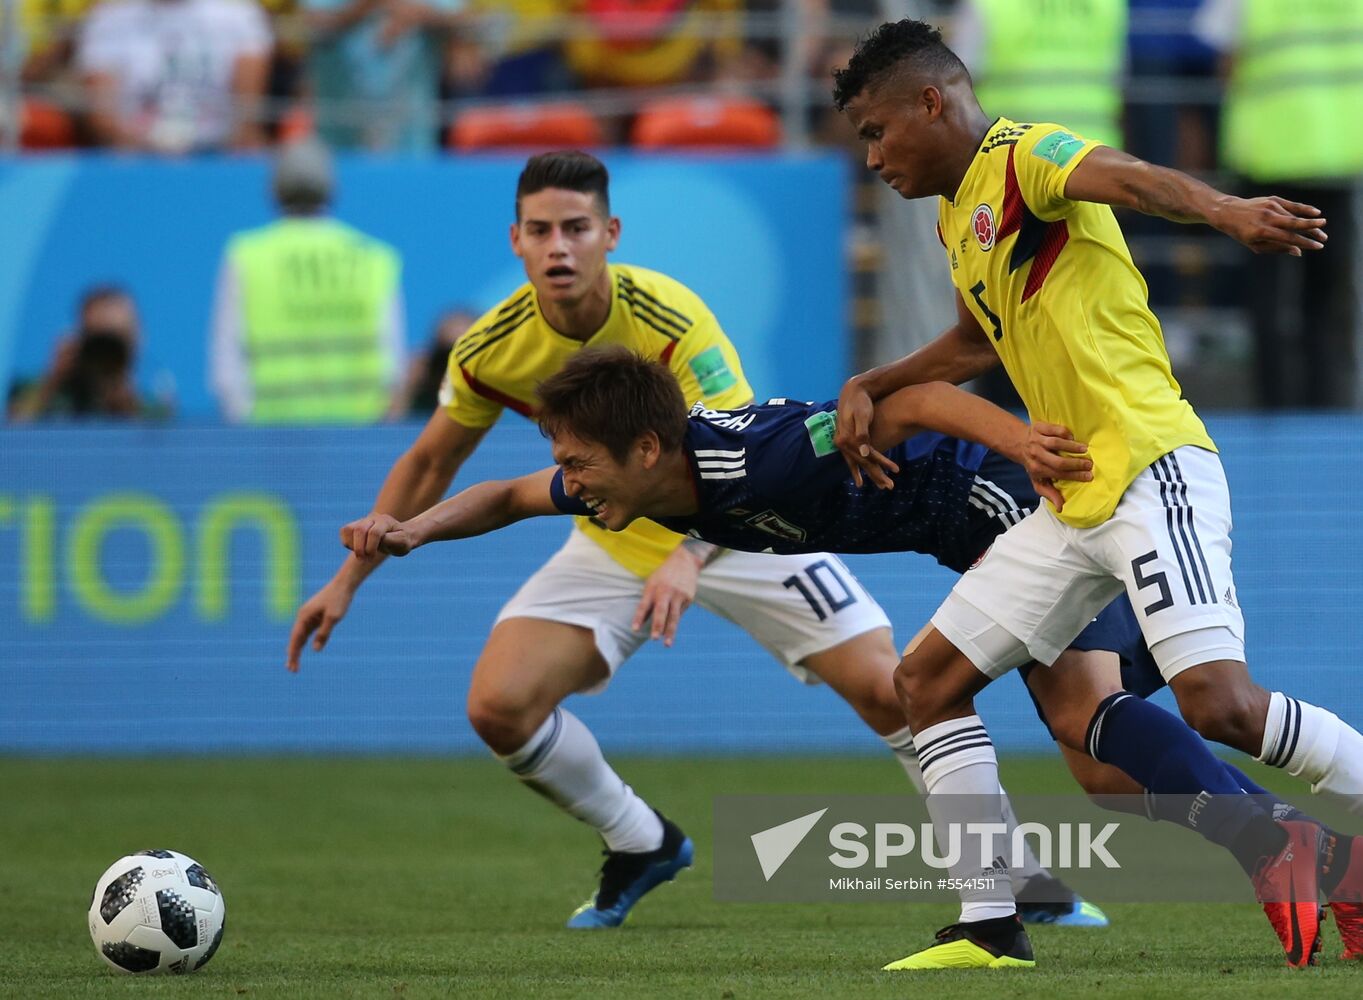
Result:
pixel 156 911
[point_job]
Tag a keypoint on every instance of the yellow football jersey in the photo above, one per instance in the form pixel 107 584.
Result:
pixel 1053 285
pixel 504 356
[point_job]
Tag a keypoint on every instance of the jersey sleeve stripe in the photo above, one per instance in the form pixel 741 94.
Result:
pixel 515 304
pixel 463 357
pixel 628 284
pixel 649 321
pixel 637 305
pixel 488 392
pixel 507 314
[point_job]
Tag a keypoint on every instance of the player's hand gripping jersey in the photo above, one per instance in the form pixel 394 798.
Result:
pixel 1052 284
pixel 502 359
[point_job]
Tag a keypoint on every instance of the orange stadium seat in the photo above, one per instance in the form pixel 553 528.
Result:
pixel 45 126
pixel 706 122
pixel 526 126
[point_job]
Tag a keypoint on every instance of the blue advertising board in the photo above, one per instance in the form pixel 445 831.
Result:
pixel 149 577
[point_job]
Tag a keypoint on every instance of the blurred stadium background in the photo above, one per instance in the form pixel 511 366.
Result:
pixel 152 566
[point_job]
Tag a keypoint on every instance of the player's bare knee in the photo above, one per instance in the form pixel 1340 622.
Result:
pixel 921 695
pixel 505 724
pixel 883 707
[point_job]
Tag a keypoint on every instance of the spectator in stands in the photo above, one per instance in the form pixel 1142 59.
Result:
pixel 175 76
pixel 637 43
pixel 92 368
pixel 522 49
pixel 308 320
pixel 1294 88
pixel 375 68
pixel 426 372
pixel 45 37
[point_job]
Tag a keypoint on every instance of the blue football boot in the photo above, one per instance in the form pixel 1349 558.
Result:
pixel 625 877
pixel 1044 899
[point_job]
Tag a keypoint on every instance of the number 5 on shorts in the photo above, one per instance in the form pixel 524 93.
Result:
pixel 1166 597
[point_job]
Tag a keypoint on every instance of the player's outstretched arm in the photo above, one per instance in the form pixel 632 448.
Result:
pixel 417 479
pixel 1047 451
pixel 1265 225
pixel 474 511
pixel 959 354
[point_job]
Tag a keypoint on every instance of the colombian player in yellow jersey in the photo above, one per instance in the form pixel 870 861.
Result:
pixel 577 619
pixel 1045 285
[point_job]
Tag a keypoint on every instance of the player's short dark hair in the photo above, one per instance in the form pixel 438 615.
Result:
pixel 885 50
pixel 612 396
pixel 568 169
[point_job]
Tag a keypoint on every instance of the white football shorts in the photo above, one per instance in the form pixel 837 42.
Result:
pixel 794 606
pixel 1167 544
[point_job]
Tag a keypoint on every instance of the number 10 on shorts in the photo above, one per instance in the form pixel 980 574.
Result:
pixel 833 592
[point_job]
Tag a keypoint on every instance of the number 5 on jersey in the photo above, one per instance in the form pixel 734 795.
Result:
pixel 977 290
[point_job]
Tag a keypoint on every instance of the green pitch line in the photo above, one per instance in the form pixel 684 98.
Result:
pixel 439 878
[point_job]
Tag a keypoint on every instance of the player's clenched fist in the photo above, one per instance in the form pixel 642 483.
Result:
pixel 377 534
pixel 362 536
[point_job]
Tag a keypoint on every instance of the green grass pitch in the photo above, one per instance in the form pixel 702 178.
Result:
pixel 390 877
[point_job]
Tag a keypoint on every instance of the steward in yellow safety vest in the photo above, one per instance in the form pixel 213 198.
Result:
pixel 308 326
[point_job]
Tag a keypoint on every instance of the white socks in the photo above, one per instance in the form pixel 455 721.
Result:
pixel 901 744
pixel 1311 743
pixel 961 773
pixel 563 762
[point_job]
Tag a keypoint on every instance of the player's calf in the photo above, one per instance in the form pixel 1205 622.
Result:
pixel 1220 701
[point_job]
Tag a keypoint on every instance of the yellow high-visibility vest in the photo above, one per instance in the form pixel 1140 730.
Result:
pixel 315 295
pixel 1296 91
pixel 1055 61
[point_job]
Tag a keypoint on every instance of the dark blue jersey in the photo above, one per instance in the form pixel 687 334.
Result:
pixel 768 479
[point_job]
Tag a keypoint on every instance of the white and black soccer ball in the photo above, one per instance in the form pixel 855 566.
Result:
pixel 156 912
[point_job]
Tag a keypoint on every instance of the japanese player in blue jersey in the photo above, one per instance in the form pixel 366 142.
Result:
pixel 769 478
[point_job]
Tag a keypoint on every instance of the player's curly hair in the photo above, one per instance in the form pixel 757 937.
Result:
pixel 882 51
pixel 612 396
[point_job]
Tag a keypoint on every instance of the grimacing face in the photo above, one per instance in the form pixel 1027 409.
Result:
pixel 562 238
pixel 593 475
pixel 899 136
